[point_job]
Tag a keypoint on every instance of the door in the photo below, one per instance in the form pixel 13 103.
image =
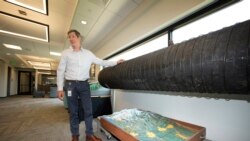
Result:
pixel 24 82
pixel 8 81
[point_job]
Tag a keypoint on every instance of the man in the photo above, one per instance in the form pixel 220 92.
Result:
pixel 74 69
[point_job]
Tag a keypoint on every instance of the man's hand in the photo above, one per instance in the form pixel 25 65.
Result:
pixel 120 61
pixel 60 95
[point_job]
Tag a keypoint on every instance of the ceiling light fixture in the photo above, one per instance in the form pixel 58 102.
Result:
pixel 10 27
pixel 41 68
pixel 55 53
pixel 84 22
pixel 51 78
pixel 39 64
pixel 43 72
pixel 31 37
pixel 43 5
pixel 12 46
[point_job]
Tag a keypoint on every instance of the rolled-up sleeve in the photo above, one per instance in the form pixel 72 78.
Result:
pixel 60 72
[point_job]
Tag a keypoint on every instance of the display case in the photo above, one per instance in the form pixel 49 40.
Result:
pixel 140 125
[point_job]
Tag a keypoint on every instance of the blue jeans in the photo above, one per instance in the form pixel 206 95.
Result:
pixel 74 91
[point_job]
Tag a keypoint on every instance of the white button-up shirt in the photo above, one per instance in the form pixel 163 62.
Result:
pixel 75 65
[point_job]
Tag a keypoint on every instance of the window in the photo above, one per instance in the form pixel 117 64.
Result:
pixel 153 45
pixel 231 15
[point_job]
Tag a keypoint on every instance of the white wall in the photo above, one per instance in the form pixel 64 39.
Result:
pixel 224 120
pixel 3 78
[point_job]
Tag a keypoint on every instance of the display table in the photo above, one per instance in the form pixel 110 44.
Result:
pixel 140 125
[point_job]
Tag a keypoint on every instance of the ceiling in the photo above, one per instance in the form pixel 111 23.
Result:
pixel 46 32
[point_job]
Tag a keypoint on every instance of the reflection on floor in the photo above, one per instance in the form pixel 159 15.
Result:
pixel 24 118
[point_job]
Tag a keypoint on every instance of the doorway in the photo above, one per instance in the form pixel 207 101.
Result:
pixel 24 83
pixel 8 81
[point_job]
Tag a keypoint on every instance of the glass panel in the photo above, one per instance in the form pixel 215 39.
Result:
pixel 231 15
pixel 155 44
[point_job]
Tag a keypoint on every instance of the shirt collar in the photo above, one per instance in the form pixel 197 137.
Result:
pixel 71 48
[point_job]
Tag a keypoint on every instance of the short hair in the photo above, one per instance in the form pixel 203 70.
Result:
pixel 78 34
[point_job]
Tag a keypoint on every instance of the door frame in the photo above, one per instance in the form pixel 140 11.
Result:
pixel 18 85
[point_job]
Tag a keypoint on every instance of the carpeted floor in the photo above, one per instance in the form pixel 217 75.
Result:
pixel 24 118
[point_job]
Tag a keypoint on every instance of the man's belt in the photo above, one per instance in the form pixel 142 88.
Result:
pixel 77 81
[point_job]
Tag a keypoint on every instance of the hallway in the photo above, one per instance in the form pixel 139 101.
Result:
pixel 23 118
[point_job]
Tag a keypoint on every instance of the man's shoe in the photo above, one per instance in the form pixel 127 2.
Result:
pixel 99 139
pixel 92 138
pixel 75 138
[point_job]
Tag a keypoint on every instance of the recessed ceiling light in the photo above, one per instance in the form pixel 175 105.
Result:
pixel 26 36
pixel 9 28
pixel 51 78
pixel 39 64
pixel 41 6
pixel 44 72
pixel 42 68
pixel 12 46
pixel 84 22
pixel 55 53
